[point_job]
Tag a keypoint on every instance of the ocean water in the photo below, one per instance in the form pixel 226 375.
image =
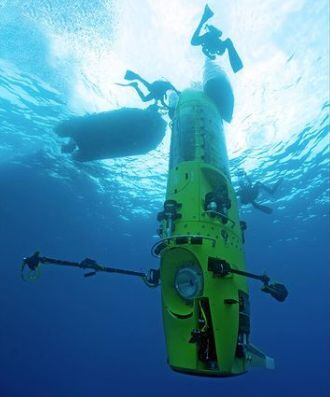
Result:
pixel 69 336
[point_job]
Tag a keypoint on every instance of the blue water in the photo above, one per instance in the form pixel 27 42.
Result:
pixel 69 336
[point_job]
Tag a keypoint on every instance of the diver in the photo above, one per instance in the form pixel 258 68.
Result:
pixel 211 43
pixel 249 192
pixel 157 90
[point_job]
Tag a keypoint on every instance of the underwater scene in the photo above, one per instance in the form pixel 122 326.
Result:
pixel 164 198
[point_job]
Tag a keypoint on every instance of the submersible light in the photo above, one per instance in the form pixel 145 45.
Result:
pixel 189 282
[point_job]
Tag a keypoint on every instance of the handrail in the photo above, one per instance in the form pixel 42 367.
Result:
pixel 188 236
pixel 220 214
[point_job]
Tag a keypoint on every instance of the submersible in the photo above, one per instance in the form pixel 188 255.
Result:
pixel 205 305
pixel 205 297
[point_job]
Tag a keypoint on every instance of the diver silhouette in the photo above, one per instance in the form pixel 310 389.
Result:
pixel 249 192
pixel 211 43
pixel 157 90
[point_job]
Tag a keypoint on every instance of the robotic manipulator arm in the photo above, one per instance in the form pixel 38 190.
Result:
pixel 30 269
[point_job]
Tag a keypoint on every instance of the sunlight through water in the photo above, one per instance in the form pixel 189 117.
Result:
pixel 61 58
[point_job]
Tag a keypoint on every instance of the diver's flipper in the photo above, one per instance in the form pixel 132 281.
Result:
pixel 129 75
pixel 263 208
pixel 208 13
pixel 234 59
pixel 258 358
pixel 277 185
pixel 270 190
pixel 133 84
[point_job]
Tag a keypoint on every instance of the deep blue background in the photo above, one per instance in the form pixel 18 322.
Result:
pixel 65 335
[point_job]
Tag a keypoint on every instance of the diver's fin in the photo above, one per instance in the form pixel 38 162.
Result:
pixel 234 59
pixel 258 359
pixel 133 84
pixel 277 185
pixel 273 189
pixel 208 13
pixel 263 208
pixel 129 75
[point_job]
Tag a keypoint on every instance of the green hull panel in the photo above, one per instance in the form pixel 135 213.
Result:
pixel 198 166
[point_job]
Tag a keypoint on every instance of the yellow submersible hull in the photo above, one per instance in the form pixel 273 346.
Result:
pixel 205 297
pixel 205 310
